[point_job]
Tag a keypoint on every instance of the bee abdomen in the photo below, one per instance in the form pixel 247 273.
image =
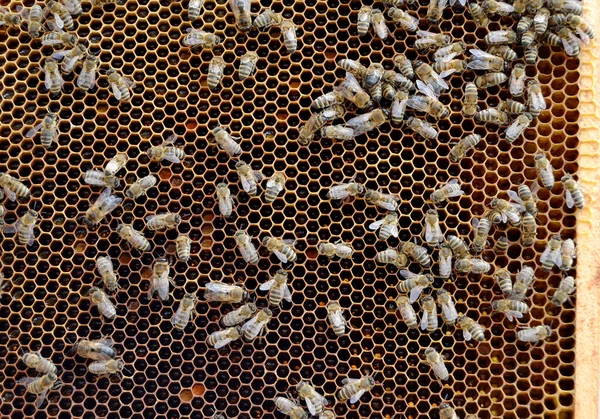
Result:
pixel 271 194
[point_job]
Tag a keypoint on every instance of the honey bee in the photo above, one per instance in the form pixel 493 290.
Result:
pixel 573 192
pixel 525 197
pixel 222 338
pixel 241 13
pixel 338 249
pixel 534 334
pixel 540 21
pixel 471 265
pixel 59 37
pixel 160 279
pixel 283 249
pixel 429 319
pixel 436 362
pixel 290 40
pixel 407 311
pixel 388 226
pixel 194 7
pixel 278 288
pixel 509 211
pixel 53 81
pixel 382 200
pixel 33 18
pixel 478 14
pixel 519 125
pixel 40 386
pixel 429 82
pixel 70 57
pixel 470 329
pixel 274 186
pixel 290 408
pixel 398 81
pixel 531 53
pixel 314 401
pixel 135 239
pixel 378 22
pixel 354 67
pixel 502 278
pixel 565 289
pixel 224 293
pixel 393 257
pixel 568 253
pixel 482 230
pixel 107 273
pixel 226 141
pixel 106 367
pixel 353 389
pixel 247 64
pixel 73 6
pixel 398 107
pixel 481 60
pixel 116 163
pixel 470 100
pixel 98 350
pixel 432 233
pixel 423 128
pixel 267 19
pixel 551 255
pixel 367 122
pixel 417 253
pixel 166 221
pixel 490 80
pixel 529 6
pixel 449 52
pixel 435 10
pixel 140 187
pixel 493 7
pixel 247 249
pixel 343 191
pixel 551 39
pixel 98 178
pixel 337 132
pixel 102 301
pixel 511 308
pixel 461 149
pixel 201 39
pixel 426 40
pixel 528 38
pixel 13 188
pixel 364 20
pixel 408 22
pixel 166 151
pixel 404 65
pixel 457 66
pixel 248 177
pixel 523 281
pixel 535 98
pixel 503 51
pixel 583 29
pixel 87 77
pixel 528 229
pixel 185 312
pixel 36 361
pixel 225 200
pixel 216 69
pixel 48 130
pixel 432 107
pixel 449 313
pixel 120 85
pixel 257 325
pixel 449 190
pixel 512 107
pixel 458 246
pixel 501 37
pixel 318 121
pixel 545 170
pixel 565 6
pixel 351 90
pixel 445 261
pixel 61 14
pixel 238 315
pixel 493 116
pixel 336 318
pixel 414 284
pixel 328 99
pixel 103 206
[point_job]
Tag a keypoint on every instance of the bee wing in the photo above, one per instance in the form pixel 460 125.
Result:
pixel 395 232
pixel 287 294
pixel 514 196
pixel 59 21
pixel 446 266
pixel 223 343
pixel 415 293
pixel 443 75
pixel 267 285
pixel 584 36
pixel 381 29
pixel 33 131
pixel 59 55
pixel 26 380
pixel 425 34
pixel 116 91
pixel 249 324
pixel 10 194
pixel 407 274
pixel 31 239
pixel 417 102
pixel 474 222
pixel 310 406
pixel 246 185
pixel 450 312
pixel 107 342
pixel 512 216
pixel 510 314
pixel 337 319
pixel 466 335
pixel 128 82
pixel 424 319
pixel 569 198
pixel 546 255
pixel 281 256
pixel 90 180
pixel 537 100
pixel 358 121
pixel 557 257
pixel 352 81
pixel 426 89
pixel 357 396
pixel 289 242
pixel 258 176
pixel 40 398
pixel 48 80
pixel 428 232
pixel 375 225
pixel 171 157
pixel 12 228
pixel 504 217
pixel 454 194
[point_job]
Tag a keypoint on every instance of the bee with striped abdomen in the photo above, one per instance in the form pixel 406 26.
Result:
pixel 465 145
pixel 226 141
pixel 451 189
pixel 120 85
pixel 278 288
pixel 241 13
pixel 534 334
pixel 482 230
pixel 224 199
pixel 388 226
pixel 105 268
pixel 247 249
pixel 275 185
pixel 404 66
pixel 471 329
pixel 36 361
pixel 33 18
pixel 364 20
pixel 222 338
pixel 414 284
pixel 59 37
pixel 199 38
pixel 40 386
pixel 435 10
pixel 336 318
pixel 194 7
pixel 248 177
pixel 509 211
pixel 565 289
pixel 502 278
pixel 493 116
pixel 445 261
pixel 106 367
pixel 238 315
pixel 53 81
pixel 140 187
pixel 247 64
pixel 135 239
pixel 432 233
pixel 185 312
pixel 490 80
pixel 382 200
pixel 353 389
pixel 573 192
pixel 290 408
pixel 62 17
pixel 430 106
pixel 116 163
pixel 472 265
pixel 98 178
pixel 436 362
pixel 481 60
pixel 478 14
pixel 225 293
pixel 327 100
pixel 257 325
pixel 267 19
pixel 167 151
pixel 519 125
pixel 408 22
pixel 367 122
pixel 344 191
pixel 429 320
pixel 545 170
pixel 417 253
pixel 13 188
pixel 314 401
pixel 523 282
pixel 407 311
pixel 70 57
pixel 423 128
pixel 457 66
pixel 503 51
pixel 379 25
pixel 283 249
pixel 528 229
pixel 183 247
pixel 535 97
pixel 160 279
pixel 493 7
pixel 288 32
pixel 446 303
pixel 48 130
pixel 501 37
pixel 339 249
pixel 583 28
pixel 166 221
pixel 470 100
pixel 568 253
pixel 458 246
pixel 511 308
pixel 393 257
pixel 87 77
pixel 338 132
pixel 216 70
pixel 102 301
pixel 98 350
pixel 24 227
pixel 449 52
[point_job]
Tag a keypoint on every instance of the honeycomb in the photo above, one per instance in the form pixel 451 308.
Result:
pixel 173 373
